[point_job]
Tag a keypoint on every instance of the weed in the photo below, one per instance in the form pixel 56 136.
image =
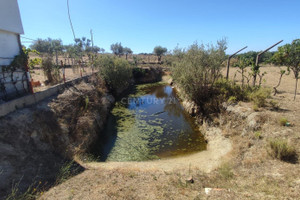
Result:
pixel 255 108
pixel 281 150
pixel 257 135
pixel 31 193
pixel 225 170
pixel 68 170
pixel 283 121
pixel 274 104
pixel 260 96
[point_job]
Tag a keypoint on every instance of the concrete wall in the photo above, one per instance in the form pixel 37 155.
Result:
pixel 11 106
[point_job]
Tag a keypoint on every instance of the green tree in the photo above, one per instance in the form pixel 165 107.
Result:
pixel 197 72
pixel 117 49
pixel 289 55
pixel 242 63
pixel 49 46
pixel 127 51
pixel 159 51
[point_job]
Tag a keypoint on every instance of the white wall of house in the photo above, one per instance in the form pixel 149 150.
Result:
pixel 11 84
pixel 9 46
pixel 10 19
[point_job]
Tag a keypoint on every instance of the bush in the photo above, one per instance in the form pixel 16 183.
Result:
pixel 197 71
pixel 259 96
pixel 280 149
pixel 51 71
pixel 283 121
pixel 225 170
pixel 116 72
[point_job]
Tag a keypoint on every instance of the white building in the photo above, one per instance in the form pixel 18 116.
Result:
pixel 10 46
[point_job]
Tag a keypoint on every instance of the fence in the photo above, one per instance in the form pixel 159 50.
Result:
pixel 31 99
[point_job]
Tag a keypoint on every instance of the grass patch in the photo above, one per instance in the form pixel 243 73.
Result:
pixel 281 150
pixel 259 96
pixel 257 135
pixel 225 171
pixel 283 121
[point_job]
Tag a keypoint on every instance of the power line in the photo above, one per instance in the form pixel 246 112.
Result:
pixel 70 19
pixel 28 38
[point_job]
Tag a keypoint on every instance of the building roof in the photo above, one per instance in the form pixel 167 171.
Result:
pixel 10 19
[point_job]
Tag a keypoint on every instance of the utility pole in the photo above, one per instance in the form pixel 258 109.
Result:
pixel 92 39
pixel 228 62
pixel 257 60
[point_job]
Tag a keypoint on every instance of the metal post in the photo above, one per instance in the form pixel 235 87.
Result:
pixel 228 61
pixel 28 78
pixel 257 60
pixel 63 71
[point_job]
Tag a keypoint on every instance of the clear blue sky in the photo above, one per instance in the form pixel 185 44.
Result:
pixel 141 25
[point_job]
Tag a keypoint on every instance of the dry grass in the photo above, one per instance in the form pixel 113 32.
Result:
pixel 249 173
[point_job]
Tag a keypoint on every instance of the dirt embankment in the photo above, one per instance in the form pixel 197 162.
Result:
pixel 36 141
pixel 248 173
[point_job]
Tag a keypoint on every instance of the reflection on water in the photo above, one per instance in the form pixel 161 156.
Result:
pixel 148 124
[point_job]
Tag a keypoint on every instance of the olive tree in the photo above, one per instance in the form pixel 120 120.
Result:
pixel 289 55
pixel 127 51
pixel 159 51
pixel 117 49
pixel 48 46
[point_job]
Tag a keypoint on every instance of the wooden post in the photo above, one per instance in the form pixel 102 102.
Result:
pixel 228 61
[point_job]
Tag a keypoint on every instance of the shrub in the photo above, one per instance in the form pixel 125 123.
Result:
pixel 51 71
pixel 259 96
pixel 225 170
pixel 280 149
pixel 198 70
pixel 116 72
pixel 283 121
pixel 257 135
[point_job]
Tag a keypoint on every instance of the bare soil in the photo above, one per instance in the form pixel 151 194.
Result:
pixel 246 172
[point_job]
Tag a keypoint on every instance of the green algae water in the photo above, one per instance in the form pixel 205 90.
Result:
pixel 149 123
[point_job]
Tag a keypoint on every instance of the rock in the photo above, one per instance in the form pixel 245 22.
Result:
pixel 189 179
pixel 253 123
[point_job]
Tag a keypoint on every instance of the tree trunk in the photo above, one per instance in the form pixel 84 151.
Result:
pixel 296 88
pixel 126 56
pixel 159 58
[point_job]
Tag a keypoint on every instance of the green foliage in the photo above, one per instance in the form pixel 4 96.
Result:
pixel 255 108
pixel 198 70
pixel 117 49
pixel 242 63
pixel 116 72
pixel 289 55
pixel 259 96
pixel 225 170
pixel 257 135
pixel 283 121
pixel 281 150
pixel 159 51
pixel 34 62
pixel 48 46
pixel 51 71
pixel 67 170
